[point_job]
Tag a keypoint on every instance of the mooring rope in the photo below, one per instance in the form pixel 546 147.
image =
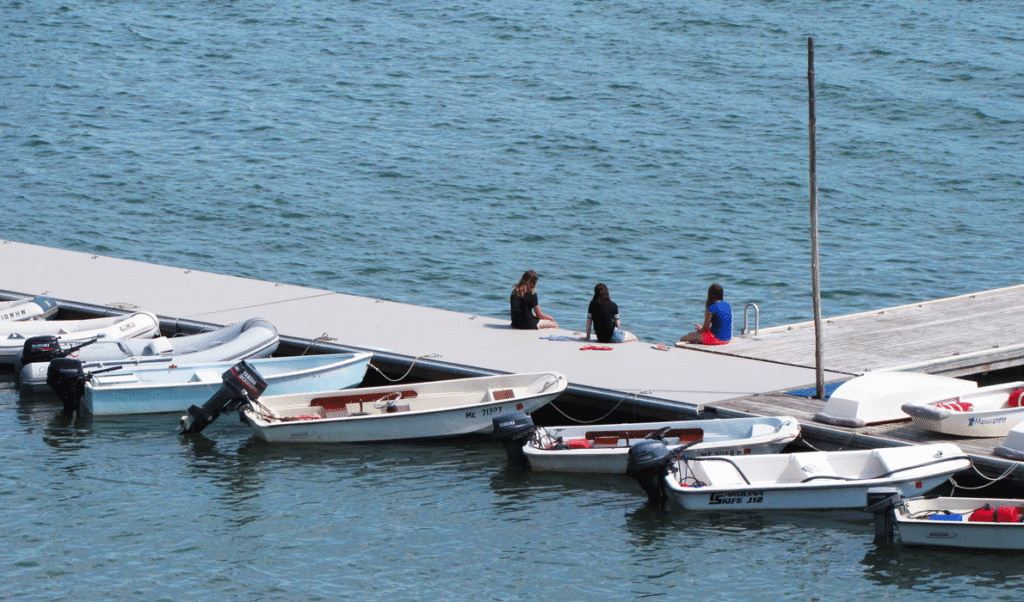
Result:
pixel 621 401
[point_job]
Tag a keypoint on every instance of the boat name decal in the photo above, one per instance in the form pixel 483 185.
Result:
pixel 14 314
pixel 127 326
pixel 974 421
pixel 753 496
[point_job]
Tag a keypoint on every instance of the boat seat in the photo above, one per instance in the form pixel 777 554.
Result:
pixel 807 465
pixel 340 402
pixel 684 435
pixel 718 472
pixel 158 346
pixel 761 430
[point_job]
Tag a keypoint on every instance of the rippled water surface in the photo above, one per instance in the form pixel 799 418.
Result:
pixel 429 152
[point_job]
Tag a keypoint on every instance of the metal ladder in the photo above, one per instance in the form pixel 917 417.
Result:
pixel 757 318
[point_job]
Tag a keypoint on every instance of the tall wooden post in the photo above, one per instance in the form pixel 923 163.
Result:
pixel 815 262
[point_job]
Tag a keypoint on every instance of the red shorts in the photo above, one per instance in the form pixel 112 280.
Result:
pixel 710 339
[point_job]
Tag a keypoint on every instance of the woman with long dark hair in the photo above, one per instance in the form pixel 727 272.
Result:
pixel 717 327
pixel 526 312
pixel 603 315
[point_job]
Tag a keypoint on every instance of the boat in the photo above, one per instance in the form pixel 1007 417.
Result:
pixel 38 308
pixel 950 522
pixel 878 397
pixel 444 408
pixel 253 338
pixel 604 448
pixel 1013 445
pixel 138 325
pixel 985 412
pixel 152 389
pixel 810 480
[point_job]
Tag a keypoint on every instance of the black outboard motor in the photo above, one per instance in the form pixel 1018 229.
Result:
pixel 46 348
pixel 882 502
pixel 647 462
pixel 513 430
pixel 242 383
pixel 67 379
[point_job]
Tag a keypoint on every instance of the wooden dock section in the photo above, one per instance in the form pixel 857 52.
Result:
pixel 957 336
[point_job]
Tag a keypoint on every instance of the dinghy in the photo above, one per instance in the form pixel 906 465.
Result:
pixel 604 448
pixel 878 397
pixel 138 325
pixel 445 408
pixel 952 522
pixel 985 412
pixel 1013 444
pixel 39 308
pixel 151 389
pixel 810 480
pixel 253 338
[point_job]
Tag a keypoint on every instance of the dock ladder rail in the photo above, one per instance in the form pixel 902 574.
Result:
pixel 757 318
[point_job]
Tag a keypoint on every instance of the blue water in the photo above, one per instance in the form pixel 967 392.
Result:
pixel 429 152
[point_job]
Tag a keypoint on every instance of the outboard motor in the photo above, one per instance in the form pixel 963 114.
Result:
pixel 67 379
pixel 647 462
pixel 242 383
pixel 513 430
pixel 46 348
pixel 882 502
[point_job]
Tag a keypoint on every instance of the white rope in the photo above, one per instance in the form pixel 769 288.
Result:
pixel 991 481
pixel 624 398
pixel 395 380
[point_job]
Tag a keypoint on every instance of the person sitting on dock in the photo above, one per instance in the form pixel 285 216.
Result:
pixel 603 315
pixel 526 312
pixel 717 327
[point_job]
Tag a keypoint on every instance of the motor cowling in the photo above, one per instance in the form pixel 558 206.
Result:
pixel 67 379
pixel 40 349
pixel 648 462
pixel 513 430
pixel 882 502
pixel 241 384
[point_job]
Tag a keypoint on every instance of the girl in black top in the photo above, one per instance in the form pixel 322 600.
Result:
pixel 603 315
pixel 526 312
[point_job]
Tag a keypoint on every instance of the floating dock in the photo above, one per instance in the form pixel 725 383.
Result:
pixel 749 377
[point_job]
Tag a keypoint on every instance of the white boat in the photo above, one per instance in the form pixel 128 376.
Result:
pixel 604 448
pixel 811 480
pixel 38 308
pixel 878 397
pixel 151 389
pixel 985 412
pixel 138 325
pixel 412 411
pixel 253 338
pixel 953 522
pixel 1013 445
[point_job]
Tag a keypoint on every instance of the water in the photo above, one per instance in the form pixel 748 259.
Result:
pixel 429 153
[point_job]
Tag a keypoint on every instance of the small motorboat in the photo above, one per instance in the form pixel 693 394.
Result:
pixel 1013 445
pixel 253 338
pixel 878 397
pixel 604 448
pixel 444 408
pixel 155 389
pixel 38 308
pixel 810 480
pixel 951 522
pixel 985 412
pixel 138 325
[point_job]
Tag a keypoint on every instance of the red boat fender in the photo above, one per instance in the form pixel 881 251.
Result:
pixel 1016 398
pixel 983 515
pixel 1007 514
pixel 578 444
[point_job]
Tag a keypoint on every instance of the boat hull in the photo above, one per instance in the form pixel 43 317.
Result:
pixel 917 530
pixel 39 308
pixel 462 417
pixel 254 338
pixel 728 437
pixel 878 397
pixel 813 480
pixel 13 334
pixel 983 413
pixel 155 391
